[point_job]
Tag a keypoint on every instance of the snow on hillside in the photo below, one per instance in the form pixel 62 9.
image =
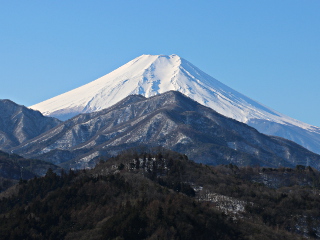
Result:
pixel 149 75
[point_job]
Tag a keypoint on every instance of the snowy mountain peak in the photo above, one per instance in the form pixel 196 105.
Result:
pixel 149 75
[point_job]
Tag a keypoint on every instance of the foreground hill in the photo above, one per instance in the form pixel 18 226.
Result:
pixel 171 120
pixel 19 124
pixel 14 168
pixel 163 195
pixel 149 75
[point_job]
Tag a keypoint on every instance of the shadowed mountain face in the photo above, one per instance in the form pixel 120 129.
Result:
pixel 170 120
pixel 19 124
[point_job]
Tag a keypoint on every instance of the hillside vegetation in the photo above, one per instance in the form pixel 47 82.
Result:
pixel 14 168
pixel 163 195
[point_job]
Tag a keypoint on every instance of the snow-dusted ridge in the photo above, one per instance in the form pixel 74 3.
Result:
pixel 149 75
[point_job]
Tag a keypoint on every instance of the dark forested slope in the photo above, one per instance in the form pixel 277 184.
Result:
pixel 14 168
pixel 163 195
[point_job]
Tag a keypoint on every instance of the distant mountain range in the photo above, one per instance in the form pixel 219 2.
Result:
pixel 171 120
pixel 149 75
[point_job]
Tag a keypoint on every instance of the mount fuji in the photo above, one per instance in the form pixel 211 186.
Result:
pixel 149 75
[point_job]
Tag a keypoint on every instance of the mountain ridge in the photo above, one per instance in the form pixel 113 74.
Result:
pixel 171 120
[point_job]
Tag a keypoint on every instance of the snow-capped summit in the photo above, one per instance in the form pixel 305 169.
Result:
pixel 149 75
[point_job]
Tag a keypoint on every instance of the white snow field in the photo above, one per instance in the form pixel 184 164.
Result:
pixel 149 75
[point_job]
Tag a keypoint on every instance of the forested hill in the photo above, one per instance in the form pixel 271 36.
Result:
pixel 14 167
pixel 163 195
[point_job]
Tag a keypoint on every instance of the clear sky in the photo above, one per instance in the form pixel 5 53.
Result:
pixel 268 50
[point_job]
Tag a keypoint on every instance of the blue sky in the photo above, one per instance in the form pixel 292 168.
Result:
pixel 268 50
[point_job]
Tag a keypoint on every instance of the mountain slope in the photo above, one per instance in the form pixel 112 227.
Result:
pixel 171 120
pixel 19 124
pixel 149 75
